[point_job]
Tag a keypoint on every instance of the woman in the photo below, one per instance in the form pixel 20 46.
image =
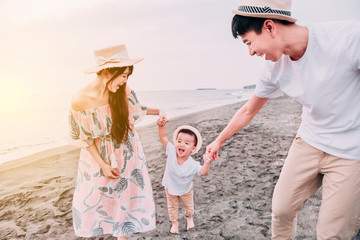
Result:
pixel 113 193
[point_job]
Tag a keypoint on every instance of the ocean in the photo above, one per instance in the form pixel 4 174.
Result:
pixel 31 124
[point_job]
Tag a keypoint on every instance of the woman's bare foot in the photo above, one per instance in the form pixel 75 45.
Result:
pixel 190 223
pixel 121 238
pixel 175 227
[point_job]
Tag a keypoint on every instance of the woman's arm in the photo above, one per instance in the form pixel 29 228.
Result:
pixel 108 171
pixel 241 118
pixel 155 111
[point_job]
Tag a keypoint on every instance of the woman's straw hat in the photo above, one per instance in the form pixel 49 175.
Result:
pixel 274 9
pixel 110 57
pixel 194 130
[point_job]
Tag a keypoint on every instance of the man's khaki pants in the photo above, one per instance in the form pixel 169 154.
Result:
pixel 305 170
pixel 173 204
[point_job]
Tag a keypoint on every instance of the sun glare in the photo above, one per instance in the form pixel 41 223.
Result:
pixel 23 11
pixel 13 96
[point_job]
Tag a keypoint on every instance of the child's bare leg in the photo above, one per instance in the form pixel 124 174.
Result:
pixel 190 223
pixel 174 227
pixel 121 238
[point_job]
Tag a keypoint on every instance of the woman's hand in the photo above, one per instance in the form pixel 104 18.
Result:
pixel 109 172
pixel 162 121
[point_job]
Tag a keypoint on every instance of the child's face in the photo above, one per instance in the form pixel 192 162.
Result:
pixel 185 144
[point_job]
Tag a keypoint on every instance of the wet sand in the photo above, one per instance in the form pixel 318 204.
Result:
pixel 232 202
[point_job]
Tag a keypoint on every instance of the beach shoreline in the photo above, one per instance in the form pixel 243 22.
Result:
pixel 232 202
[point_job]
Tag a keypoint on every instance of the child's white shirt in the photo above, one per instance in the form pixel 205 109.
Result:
pixel 178 179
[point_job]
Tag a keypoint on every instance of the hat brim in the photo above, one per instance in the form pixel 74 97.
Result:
pixel 125 63
pixel 265 15
pixel 194 130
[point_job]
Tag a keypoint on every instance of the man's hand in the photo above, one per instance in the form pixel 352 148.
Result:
pixel 212 150
pixel 207 159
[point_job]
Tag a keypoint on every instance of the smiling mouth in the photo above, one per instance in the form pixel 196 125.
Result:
pixel 180 150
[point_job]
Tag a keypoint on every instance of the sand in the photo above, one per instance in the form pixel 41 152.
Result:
pixel 232 202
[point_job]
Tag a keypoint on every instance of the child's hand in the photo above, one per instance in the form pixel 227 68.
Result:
pixel 207 158
pixel 162 121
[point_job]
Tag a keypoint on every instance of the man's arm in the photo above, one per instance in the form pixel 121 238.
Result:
pixel 241 118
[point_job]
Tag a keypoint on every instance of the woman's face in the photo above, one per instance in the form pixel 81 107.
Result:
pixel 116 83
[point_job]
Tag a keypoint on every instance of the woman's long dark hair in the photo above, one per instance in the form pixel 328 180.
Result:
pixel 119 107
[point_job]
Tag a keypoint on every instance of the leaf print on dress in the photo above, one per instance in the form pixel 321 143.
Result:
pixel 108 124
pixel 97 231
pixel 103 153
pixel 136 117
pixel 134 94
pixel 121 185
pixel 96 120
pixel 87 176
pixel 138 177
pixel 129 147
pixel 75 130
pixel 77 218
pixel 144 221
pixel 103 189
pixel 85 132
pixel 131 101
pixel 116 226
pixel 102 212
pixel 128 228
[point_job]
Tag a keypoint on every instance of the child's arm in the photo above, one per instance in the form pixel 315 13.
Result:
pixel 206 167
pixel 162 131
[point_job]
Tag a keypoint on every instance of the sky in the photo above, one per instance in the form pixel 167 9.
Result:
pixel 46 44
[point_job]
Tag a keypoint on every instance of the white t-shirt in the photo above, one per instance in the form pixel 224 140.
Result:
pixel 178 178
pixel 326 81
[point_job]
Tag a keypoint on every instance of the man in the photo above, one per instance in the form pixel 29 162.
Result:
pixel 318 66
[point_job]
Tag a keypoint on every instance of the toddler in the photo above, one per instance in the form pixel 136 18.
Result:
pixel 180 171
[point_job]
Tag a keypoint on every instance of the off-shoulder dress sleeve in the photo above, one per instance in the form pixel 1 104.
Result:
pixel 87 125
pixel 79 136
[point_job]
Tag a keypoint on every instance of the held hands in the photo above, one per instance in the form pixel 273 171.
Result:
pixel 212 150
pixel 207 159
pixel 161 121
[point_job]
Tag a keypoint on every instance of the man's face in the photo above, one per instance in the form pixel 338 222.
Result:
pixel 262 45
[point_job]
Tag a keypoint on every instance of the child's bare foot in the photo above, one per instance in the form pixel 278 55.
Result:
pixel 121 238
pixel 175 227
pixel 190 223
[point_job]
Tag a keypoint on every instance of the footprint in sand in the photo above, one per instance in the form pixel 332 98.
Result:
pixel 64 202
pixel 47 181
